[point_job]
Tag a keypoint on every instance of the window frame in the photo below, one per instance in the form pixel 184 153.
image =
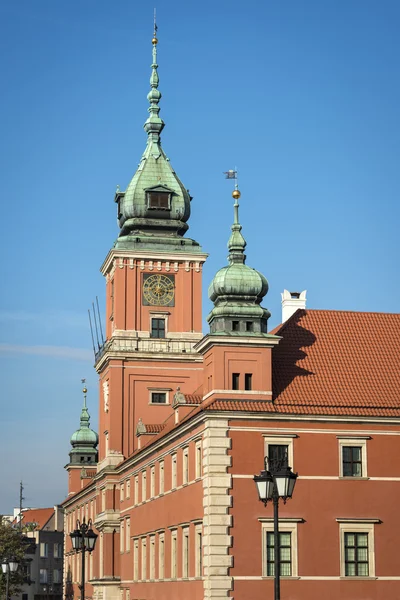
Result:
pixel 174 471
pixel 198 550
pixel 174 554
pixel 281 440
pixel 198 459
pixel 161 555
pixel 165 391
pixel 285 526
pixel 185 552
pixel 360 442
pixel 158 337
pixel 185 465
pixel 358 526
pixel 168 195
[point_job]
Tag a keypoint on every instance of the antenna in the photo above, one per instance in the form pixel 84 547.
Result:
pixel 91 332
pixel 21 498
pixel 155 21
pixel 98 314
pixel 95 326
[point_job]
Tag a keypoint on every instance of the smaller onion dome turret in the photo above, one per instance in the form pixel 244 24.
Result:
pixel 237 290
pixel 84 441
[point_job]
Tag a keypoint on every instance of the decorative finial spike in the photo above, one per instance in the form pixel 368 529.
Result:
pixel 84 391
pixel 237 243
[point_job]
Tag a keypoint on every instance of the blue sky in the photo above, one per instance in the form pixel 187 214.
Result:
pixel 302 96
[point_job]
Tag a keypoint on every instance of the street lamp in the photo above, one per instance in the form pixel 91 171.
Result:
pixel 9 566
pixel 83 539
pixel 276 481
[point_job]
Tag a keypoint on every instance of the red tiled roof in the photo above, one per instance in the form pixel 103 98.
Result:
pixel 37 515
pixel 154 427
pixel 341 361
pixel 333 363
pixel 193 399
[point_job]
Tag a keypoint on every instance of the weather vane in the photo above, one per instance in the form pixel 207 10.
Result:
pixel 233 174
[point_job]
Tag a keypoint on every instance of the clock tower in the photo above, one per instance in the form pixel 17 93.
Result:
pixel 153 299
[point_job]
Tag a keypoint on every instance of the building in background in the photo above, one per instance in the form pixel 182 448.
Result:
pixel 43 566
pixel 185 421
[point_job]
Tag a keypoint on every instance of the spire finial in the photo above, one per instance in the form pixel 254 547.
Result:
pixel 154 125
pixel 84 391
pixel 237 243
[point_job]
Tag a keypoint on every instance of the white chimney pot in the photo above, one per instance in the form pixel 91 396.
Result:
pixel 291 301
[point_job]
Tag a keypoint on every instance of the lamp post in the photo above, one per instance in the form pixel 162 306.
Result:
pixel 83 539
pixel 9 566
pixel 276 481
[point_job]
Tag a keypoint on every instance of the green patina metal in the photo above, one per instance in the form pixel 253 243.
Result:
pixel 84 441
pixel 143 226
pixel 237 291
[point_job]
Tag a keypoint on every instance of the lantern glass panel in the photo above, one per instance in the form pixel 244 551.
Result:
pixel 13 565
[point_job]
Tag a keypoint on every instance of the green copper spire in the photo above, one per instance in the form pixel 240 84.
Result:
pixel 154 125
pixel 154 210
pixel 237 290
pixel 84 441
pixel 236 243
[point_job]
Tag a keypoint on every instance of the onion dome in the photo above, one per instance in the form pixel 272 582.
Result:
pixel 84 441
pixel 237 289
pixel 154 210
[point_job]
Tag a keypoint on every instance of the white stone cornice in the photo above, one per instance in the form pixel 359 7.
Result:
pixel 267 341
pixel 159 257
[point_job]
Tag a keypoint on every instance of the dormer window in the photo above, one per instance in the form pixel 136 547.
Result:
pixel 158 198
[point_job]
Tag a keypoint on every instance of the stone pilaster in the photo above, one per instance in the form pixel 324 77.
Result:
pixel 216 500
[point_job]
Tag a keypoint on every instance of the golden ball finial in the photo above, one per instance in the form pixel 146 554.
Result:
pixel 154 41
pixel 236 194
pixel 84 390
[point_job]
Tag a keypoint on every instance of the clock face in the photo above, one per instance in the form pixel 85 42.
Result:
pixel 158 290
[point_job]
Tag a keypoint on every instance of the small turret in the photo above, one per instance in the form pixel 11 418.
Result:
pixel 237 290
pixel 84 441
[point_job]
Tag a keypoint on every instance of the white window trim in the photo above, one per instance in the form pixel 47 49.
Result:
pixel 136 559
pixel 159 315
pixel 198 550
pixel 174 554
pixel 152 565
pixel 144 486
pixel 161 555
pixel 152 481
pixel 198 459
pixel 286 526
pixel 161 477
pixel 353 441
pixel 185 559
pixel 358 526
pixel 280 440
pixel 165 391
pixel 185 465
pixel 143 574
pixel 174 471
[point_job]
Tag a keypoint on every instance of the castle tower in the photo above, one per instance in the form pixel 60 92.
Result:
pixel 237 351
pixel 83 455
pixel 153 298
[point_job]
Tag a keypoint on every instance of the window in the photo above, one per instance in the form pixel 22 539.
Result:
pixel 173 474
pixel 276 446
pixel 173 553
pixel 122 537
pixel 198 459
pixel 44 550
pixel 144 482
pixel 144 558
pixel 121 492
pixel 161 484
pixel 43 576
pixel 287 547
pixel 353 456
pixel 357 557
pixel 185 553
pixel 161 556
pixel 199 551
pixel 158 200
pixel 152 556
pixel 112 299
pixel 128 488
pixel 185 465
pixel 158 397
pixel 356 554
pixel 157 328
pixel 56 576
pixel 278 454
pixel 249 326
pixel 235 325
pixel 137 489
pixel 248 377
pixel 136 560
pixel 285 554
pixel 352 466
pixel 58 550
pixel 128 535
pixel 235 381
pixel 152 481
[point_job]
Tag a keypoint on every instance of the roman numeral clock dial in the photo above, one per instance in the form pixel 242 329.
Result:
pixel 158 290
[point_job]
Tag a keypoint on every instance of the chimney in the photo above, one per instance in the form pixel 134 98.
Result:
pixel 291 301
